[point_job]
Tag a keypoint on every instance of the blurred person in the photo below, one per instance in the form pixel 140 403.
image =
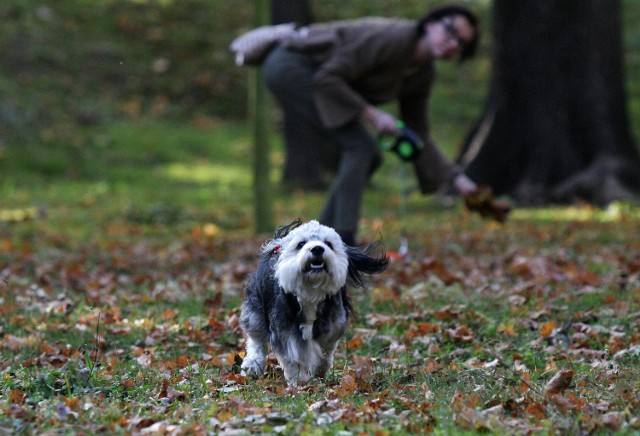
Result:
pixel 333 77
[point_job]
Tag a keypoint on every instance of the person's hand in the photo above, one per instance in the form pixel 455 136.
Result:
pixel 464 185
pixel 484 203
pixel 381 121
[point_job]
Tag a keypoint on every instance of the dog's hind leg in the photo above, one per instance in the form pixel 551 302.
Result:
pixel 255 361
pixel 254 325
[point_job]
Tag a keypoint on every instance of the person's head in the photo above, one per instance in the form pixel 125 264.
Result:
pixel 452 32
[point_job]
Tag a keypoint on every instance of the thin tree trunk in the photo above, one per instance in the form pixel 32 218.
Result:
pixel 261 185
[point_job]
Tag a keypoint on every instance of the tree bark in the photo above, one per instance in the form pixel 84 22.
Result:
pixel 259 116
pixel 555 126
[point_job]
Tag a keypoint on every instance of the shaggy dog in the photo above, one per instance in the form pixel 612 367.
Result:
pixel 297 300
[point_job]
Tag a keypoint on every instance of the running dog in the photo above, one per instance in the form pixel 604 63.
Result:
pixel 297 300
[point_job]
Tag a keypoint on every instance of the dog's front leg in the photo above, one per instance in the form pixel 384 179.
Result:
pixel 307 330
pixel 256 358
pixel 326 362
pixel 294 372
pixel 309 318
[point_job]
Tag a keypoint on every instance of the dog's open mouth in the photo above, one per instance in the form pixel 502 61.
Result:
pixel 315 266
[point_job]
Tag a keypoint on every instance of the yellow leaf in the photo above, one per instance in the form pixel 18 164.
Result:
pixel 547 328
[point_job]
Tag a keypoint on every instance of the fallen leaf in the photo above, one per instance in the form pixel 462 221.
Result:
pixel 348 384
pixel 354 343
pixel 72 403
pixel 182 360
pixel 560 382
pixel 16 396
pixel 460 334
pixel 536 410
pixel 613 420
pixel 19 412
pixel 547 328
pixel 169 314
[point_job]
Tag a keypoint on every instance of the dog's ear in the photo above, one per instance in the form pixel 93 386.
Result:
pixel 283 231
pixel 362 263
pixel 273 246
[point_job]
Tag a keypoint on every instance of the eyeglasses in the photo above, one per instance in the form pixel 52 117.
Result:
pixel 453 33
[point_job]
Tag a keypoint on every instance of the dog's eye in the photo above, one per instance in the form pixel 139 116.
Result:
pixel 329 244
pixel 300 245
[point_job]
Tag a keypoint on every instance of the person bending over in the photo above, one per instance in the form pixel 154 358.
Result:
pixel 332 76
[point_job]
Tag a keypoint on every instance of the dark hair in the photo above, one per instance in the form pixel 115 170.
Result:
pixel 437 14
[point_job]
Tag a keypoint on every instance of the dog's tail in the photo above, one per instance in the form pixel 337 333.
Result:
pixel 362 263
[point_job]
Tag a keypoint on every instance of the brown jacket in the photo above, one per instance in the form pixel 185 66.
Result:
pixel 369 61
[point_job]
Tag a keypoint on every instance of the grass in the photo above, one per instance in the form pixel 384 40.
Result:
pixel 121 295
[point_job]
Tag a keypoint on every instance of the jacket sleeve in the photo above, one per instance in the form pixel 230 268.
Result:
pixel 433 169
pixel 334 92
pixel 336 100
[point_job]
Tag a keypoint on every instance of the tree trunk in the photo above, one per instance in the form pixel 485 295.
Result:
pixel 555 127
pixel 259 116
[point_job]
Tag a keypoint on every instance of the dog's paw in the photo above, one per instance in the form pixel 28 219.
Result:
pixel 307 331
pixel 296 375
pixel 251 367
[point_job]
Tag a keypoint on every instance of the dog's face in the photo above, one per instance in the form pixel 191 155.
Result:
pixel 312 258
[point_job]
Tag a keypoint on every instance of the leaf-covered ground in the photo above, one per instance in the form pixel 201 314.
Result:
pixel 531 326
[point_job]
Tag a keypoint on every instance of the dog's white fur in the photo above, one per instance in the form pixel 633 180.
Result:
pixel 312 288
pixel 312 266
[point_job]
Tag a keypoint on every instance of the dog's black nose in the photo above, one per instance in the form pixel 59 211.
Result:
pixel 317 250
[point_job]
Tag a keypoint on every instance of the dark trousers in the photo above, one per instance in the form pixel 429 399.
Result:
pixel 289 76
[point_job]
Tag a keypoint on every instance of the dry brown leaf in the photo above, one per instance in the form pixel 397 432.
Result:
pixel 422 329
pixel 348 384
pixel 163 389
pixel 19 412
pixel 525 382
pixel 613 420
pixel 169 314
pixel 536 410
pixel 431 264
pixel 563 402
pixel 460 334
pixel 363 366
pixel 560 382
pixel 182 360
pixel 354 343
pixel 72 403
pixel 145 360
pixel 16 396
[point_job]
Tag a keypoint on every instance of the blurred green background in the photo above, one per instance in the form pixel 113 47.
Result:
pixel 135 101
